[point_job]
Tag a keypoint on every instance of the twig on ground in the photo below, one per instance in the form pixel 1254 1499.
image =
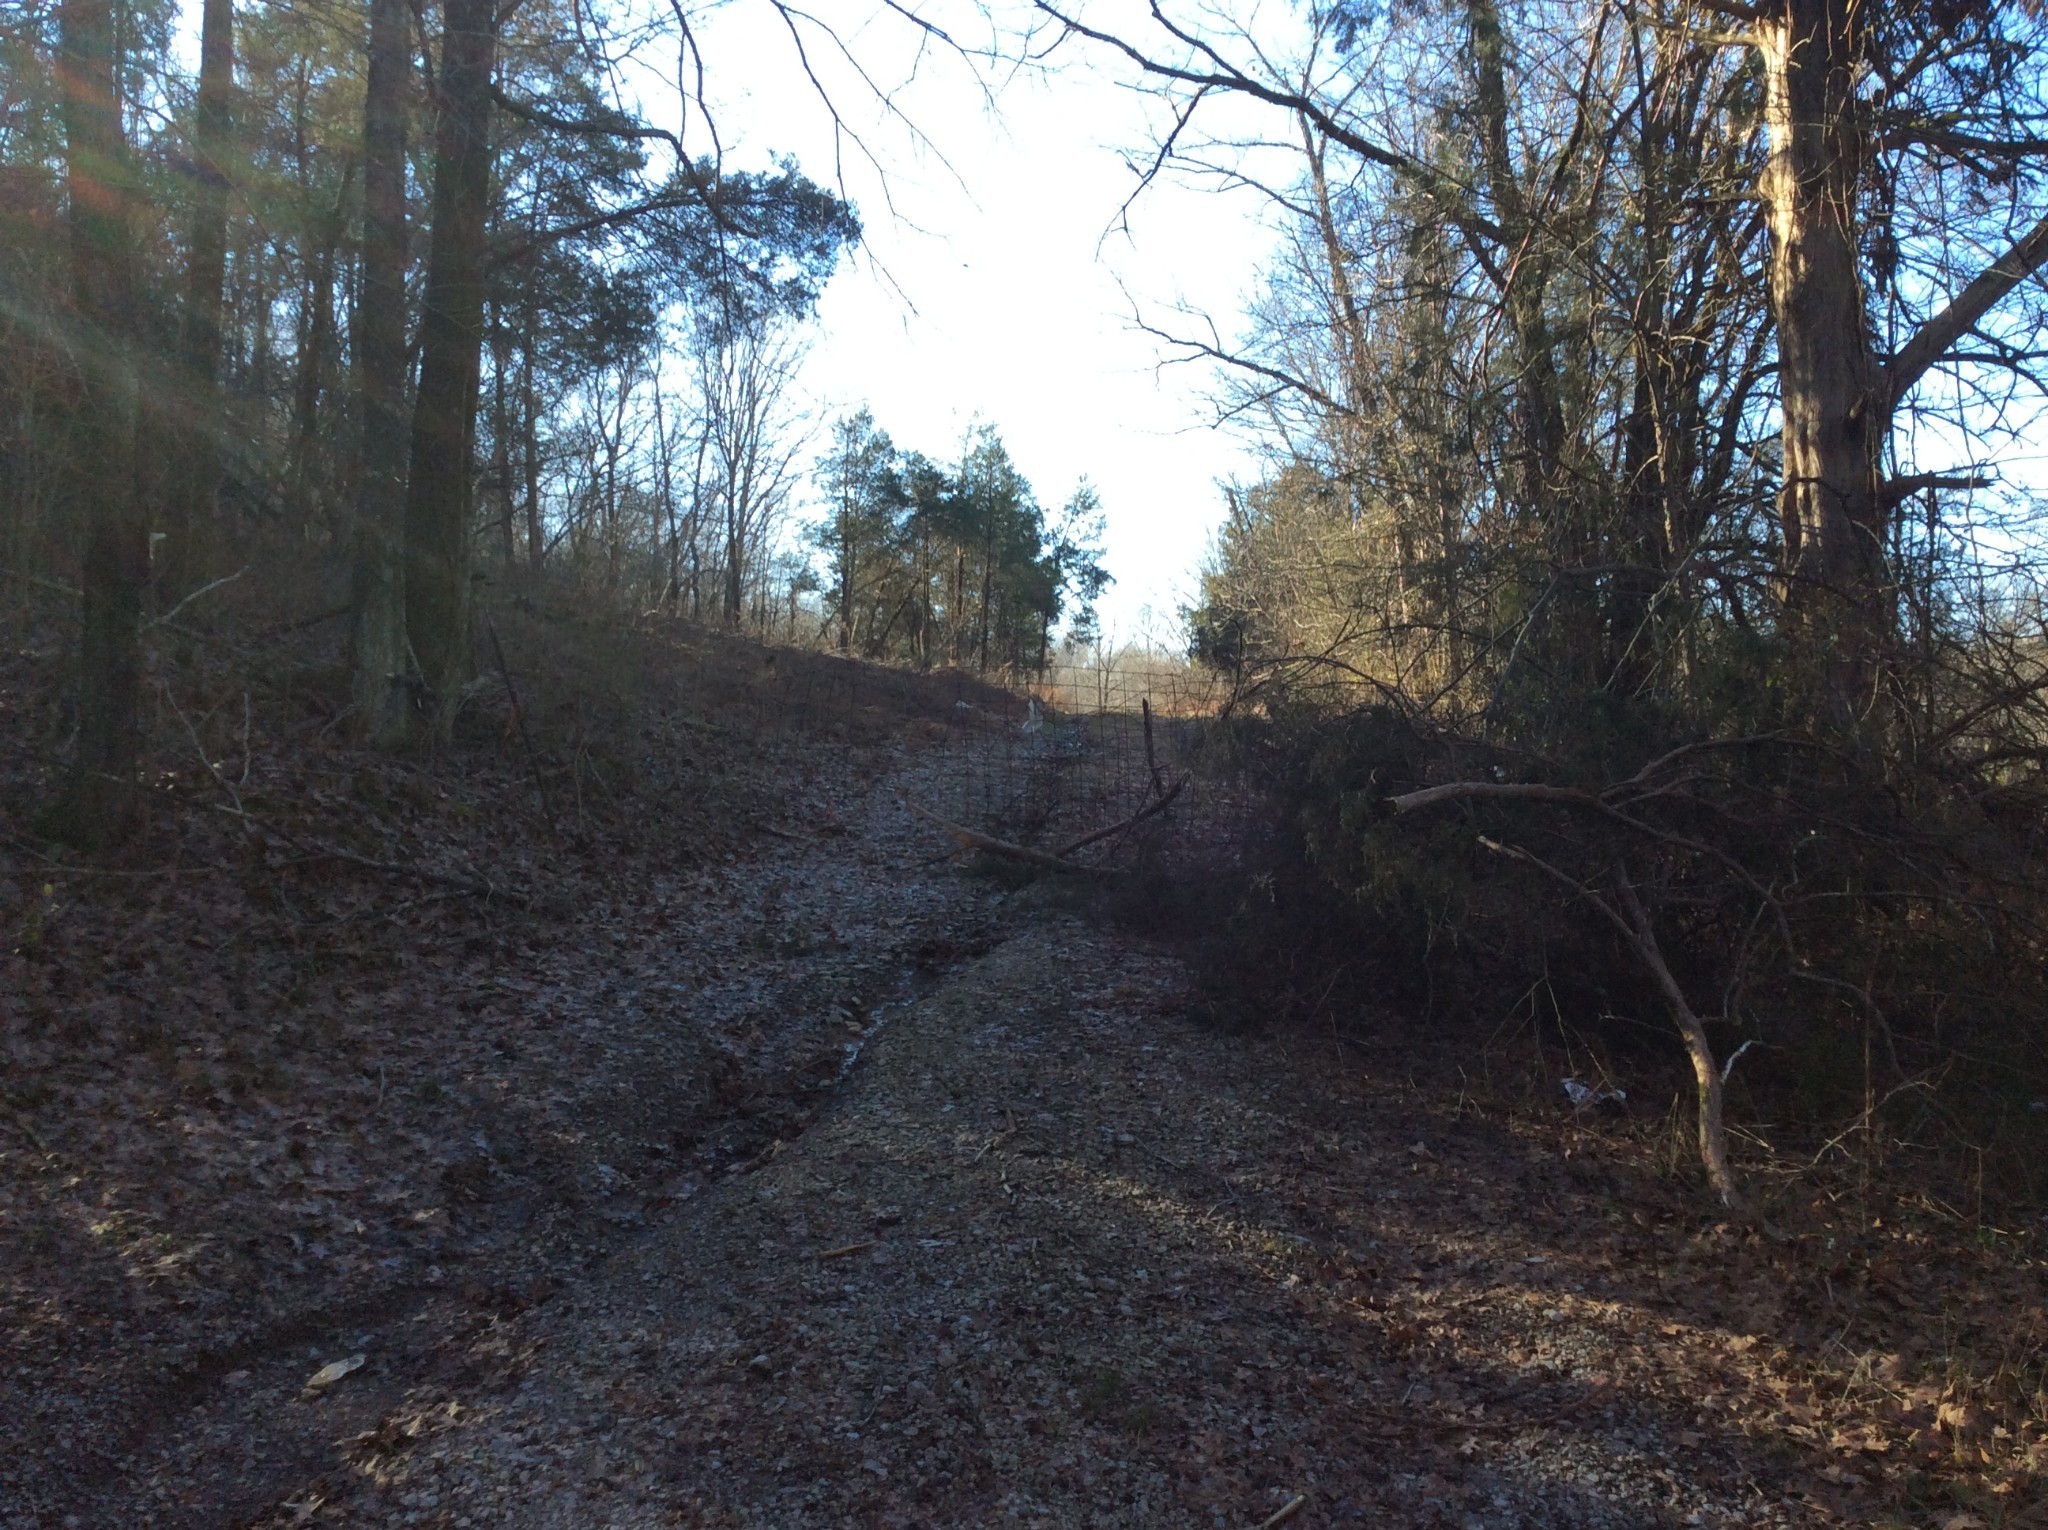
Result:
pixel 1284 1513
pixel 58 865
pixel 476 887
pixel 199 748
pixel 844 1250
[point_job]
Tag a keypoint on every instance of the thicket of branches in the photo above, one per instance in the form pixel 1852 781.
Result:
pixel 1638 617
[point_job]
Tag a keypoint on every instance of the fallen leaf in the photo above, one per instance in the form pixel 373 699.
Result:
pixel 332 1372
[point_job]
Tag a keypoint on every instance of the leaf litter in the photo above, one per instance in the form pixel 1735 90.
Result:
pixel 554 1132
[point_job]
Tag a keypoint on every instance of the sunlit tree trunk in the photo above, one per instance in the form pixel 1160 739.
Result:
pixel 381 659
pixel 439 488
pixel 1835 415
pixel 101 191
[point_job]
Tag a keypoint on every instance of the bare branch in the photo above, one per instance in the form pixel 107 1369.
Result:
pixel 1939 335
pixel 612 125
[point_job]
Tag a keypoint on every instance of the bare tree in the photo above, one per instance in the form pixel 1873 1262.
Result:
pixel 753 436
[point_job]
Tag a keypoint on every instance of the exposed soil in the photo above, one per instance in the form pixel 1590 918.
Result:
pixel 708 1147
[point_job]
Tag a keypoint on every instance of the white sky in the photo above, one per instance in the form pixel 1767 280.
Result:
pixel 1006 303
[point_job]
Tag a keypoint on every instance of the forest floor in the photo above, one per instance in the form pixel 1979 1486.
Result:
pixel 645 1120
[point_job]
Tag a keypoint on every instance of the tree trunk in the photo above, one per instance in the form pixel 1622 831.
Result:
pixel 437 502
pixel 195 470
pixel 380 661
pixel 1836 414
pixel 102 196
pixel 1544 488
pixel 501 439
pixel 1634 919
pixel 847 553
pixel 315 344
pixel 735 562
pixel 529 402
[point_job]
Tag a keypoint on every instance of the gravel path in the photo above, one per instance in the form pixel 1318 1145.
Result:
pixel 1056 1257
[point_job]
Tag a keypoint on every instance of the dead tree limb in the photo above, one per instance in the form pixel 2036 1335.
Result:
pixel 971 839
pixel 1589 802
pixel 1510 791
pixel 1131 822
pixel 1632 921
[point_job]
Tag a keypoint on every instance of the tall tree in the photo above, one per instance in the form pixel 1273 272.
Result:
pixel 441 479
pixel 1855 89
pixel 864 492
pixel 195 478
pixel 744 366
pixel 101 192
pixel 380 659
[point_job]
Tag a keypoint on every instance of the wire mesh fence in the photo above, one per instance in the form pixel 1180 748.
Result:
pixel 1093 758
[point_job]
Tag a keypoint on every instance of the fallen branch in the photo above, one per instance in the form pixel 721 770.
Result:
pixel 475 887
pixel 1284 1513
pixel 788 834
pixel 1572 797
pixel 970 839
pixel 1632 921
pixel 1133 821
pixel 205 589
pixel 1514 791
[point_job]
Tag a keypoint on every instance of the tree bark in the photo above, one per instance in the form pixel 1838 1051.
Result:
pixel 101 190
pixel 380 659
pixel 439 489
pixel 196 468
pixel 1836 414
